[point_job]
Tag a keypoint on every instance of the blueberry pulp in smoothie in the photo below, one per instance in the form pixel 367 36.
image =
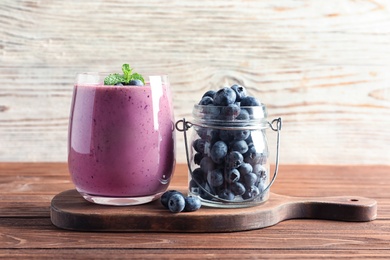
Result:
pixel 121 140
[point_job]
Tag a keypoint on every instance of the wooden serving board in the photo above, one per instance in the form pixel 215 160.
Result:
pixel 70 211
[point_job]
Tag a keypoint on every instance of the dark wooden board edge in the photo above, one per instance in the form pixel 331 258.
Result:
pixel 70 211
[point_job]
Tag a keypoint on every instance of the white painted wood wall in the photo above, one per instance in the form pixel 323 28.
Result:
pixel 323 66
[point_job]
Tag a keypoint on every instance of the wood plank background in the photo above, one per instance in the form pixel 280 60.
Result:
pixel 323 66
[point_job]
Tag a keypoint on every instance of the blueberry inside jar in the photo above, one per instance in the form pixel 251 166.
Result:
pixel 229 151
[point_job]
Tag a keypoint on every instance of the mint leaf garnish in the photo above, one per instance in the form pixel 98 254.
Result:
pixel 113 79
pixel 127 76
pixel 126 72
pixel 138 76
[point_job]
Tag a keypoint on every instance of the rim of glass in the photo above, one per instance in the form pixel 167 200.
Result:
pixel 107 73
pixel 97 78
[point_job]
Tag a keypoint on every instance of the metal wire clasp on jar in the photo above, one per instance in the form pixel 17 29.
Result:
pixel 228 157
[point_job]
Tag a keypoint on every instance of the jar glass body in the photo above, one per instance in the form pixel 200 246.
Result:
pixel 229 157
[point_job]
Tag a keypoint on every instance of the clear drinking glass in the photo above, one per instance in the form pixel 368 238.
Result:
pixel 121 145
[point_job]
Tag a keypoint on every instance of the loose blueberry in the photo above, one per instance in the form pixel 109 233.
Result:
pixel 226 194
pixel 198 175
pixel 176 203
pixel 205 192
pixel 212 136
pixel 229 112
pixel 199 145
pixel 239 146
pixel 251 193
pixel 136 82
pixel 254 190
pixel 232 176
pixel 250 179
pixel 237 188
pixel 258 168
pixel 251 149
pixel 206 101
pixel 215 177
pixel 218 151
pixel 224 96
pixel 166 196
pixel 261 179
pixel 198 158
pixel 244 115
pixel 210 112
pixel 249 101
pixel 240 92
pixel 262 175
pixel 192 203
pixel 209 93
pixel 245 168
pixel 119 84
pixel 240 135
pixel 234 159
pixel 262 186
pixel 226 135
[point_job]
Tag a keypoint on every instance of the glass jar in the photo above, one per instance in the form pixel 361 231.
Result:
pixel 228 155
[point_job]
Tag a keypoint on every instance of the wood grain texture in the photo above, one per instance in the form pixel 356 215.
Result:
pixel 323 66
pixel 196 254
pixel 28 234
pixel 293 235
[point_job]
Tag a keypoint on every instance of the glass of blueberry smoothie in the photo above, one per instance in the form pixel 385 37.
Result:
pixel 121 144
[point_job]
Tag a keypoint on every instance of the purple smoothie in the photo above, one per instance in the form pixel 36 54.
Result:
pixel 121 140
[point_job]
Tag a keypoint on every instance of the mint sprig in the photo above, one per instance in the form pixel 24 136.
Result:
pixel 127 76
pixel 113 79
pixel 135 76
pixel 127 72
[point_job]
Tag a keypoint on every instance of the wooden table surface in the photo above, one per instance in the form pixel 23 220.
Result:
pixel 26 190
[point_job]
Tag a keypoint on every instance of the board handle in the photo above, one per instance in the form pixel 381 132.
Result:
pixel 344 208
